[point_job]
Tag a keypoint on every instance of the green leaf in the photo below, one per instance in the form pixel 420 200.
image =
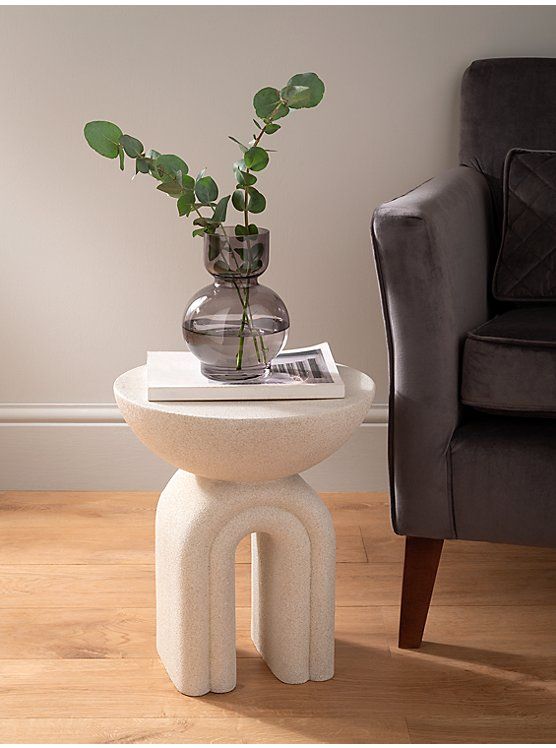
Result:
pixel 313 83
pixel 187 182
pixel 257 201
pixel 242 177
pixel 198 232
pixel 133 147
pixel 121 154
pixel 257 249
pixel 171 187
pixel 186 201
pixel 258 124
pixel 103 137
pixel 243 147
pixel 240 230
pixel 219 215
pixel 168 165
pixel 253 229
pixel 267 102
pixel 256 158
pixel 296 96
pixel 213 251
pixel 206 189
pixel 142 165
pixel 271 128
pixel 238 200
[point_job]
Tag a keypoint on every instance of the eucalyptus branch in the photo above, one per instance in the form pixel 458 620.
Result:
pixel 302 91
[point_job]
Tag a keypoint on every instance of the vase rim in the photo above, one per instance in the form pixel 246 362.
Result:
pixel 229 231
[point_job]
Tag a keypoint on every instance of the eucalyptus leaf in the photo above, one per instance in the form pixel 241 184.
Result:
pixel 243 147
pixel 168 165
pixel 253 229
pixel 186 181
pixel 142 165
pixel 198 232
pixel 256 158
pixel 267 103
pixel 257 201
pixel 219 215
pixel 313 83
pixel 121 154
pixel 133 147
pixel 171 187
pixel 244 179
pixel 240 230
pixel 238 199
pixel 296 96
pixel 213 251
pixel 206 189
pixel 271 128
pixel 266 100
pixel 103 137
pixel 186 201
pixel 256 250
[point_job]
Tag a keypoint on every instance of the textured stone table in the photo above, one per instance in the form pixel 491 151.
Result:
pixel 237 474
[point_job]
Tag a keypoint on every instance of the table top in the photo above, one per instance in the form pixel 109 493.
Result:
pixel 249 441
pixel 360 389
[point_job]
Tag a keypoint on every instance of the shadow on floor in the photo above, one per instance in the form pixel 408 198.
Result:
pixel 377 694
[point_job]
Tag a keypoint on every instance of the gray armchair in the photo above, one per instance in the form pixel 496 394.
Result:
pixel 457 471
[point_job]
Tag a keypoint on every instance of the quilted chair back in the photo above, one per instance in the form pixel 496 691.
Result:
pixel 506 103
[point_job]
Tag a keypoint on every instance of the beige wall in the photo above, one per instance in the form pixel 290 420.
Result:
pixel 95 269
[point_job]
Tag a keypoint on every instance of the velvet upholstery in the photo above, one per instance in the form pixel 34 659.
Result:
pixel 504 480
pixel 454 472
pixel 432 248
pixel 526 266
pixel 509 363
pixel 507 102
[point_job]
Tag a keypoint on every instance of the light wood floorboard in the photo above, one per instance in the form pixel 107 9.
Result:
pixel 78 661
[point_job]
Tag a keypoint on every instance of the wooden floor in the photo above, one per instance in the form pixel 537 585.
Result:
pixel 78 660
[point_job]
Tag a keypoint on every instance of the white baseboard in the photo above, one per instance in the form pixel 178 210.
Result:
pixel 88 447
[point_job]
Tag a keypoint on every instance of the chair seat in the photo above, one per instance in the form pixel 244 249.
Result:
pixel 509 363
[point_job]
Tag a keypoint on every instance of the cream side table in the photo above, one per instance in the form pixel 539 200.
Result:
pixel 237 475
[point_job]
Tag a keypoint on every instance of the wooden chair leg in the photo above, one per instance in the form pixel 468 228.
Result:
pixel 422 556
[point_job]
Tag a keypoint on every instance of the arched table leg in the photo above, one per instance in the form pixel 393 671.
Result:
pixel 199 523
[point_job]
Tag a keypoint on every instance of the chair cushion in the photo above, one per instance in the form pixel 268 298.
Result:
pixel 509 363
pixel 526 266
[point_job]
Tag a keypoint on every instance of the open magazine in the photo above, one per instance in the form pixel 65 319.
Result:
pixel 303 373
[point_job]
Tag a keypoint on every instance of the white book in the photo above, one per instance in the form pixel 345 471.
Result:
pixel 301 374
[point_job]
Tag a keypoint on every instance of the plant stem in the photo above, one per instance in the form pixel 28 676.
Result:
pixel 247 310
pixel 239 357
pixel 255 144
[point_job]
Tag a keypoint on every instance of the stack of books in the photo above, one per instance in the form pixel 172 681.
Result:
pixel 301 374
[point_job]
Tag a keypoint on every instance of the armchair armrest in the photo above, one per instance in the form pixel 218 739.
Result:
pixel 432 254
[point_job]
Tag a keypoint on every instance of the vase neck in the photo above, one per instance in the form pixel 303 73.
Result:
pixel 236 280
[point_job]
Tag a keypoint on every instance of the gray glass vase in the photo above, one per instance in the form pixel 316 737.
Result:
pixel 236 326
